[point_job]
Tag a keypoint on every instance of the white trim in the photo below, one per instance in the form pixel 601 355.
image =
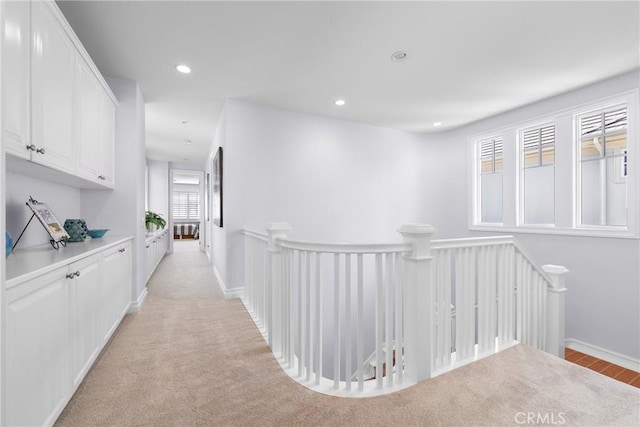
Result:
pixel 550 230
pixel 136 305
pixel 228 293
pixel 604 354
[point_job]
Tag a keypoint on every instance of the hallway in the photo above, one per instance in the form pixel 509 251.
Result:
pixel 192 358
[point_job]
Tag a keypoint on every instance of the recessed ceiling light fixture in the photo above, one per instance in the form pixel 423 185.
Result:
pixel 340 102
pixel 399 56
pixel 185 122
pixel 184 69
pixel 436 124
pixel 187 141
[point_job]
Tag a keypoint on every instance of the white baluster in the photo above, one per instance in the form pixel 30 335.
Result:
pixel 484 277
pixel 336 321
pixel 379 315
pixel 442 310
pixel 360 326
pixel 398 319
pixel 388 318
pixel 287 306
pixel 446 306
pixel 511 295
pixel 419 304
pixel 308 327
pixel 347 319
pixel 318 319
pixel 301 338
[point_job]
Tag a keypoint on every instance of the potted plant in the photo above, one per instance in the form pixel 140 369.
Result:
pixel 153 221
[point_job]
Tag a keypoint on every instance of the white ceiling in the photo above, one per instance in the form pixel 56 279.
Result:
pixel 467 60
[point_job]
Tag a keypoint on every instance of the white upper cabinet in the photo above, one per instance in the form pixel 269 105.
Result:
pixel 88 128
pixel 107 142
pixel 94 127
pixel 52 83
pixel 57 109
pixel 16 35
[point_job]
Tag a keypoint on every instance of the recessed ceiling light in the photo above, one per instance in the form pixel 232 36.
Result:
pixel 437 123
pixel 185 122
pixel 340 102
pixel 183 69
pixel 399 56
pixel 187 141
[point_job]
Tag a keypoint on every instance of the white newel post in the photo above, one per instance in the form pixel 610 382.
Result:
pixel 555 310
pixel 418 302
pixel 275 230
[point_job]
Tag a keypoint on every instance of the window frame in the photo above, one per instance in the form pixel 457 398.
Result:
pixel 565 174
pixel 521 167
pixel 598 108
pixel 477 174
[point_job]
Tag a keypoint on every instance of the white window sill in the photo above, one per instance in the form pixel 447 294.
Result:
pixel 616 233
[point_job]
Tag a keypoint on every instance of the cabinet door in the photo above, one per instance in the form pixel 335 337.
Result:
pixel 116 287
pixel 85 326
pixel 88 123
pixel 107 171
pixel 53 63
pixel 15 52
pixel 148 258
pixel 36 370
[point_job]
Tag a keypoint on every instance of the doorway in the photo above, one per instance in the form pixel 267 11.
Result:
pixel 186 208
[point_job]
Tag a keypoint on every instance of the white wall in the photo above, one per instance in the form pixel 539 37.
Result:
pixel 331 180
pixel 216 237
pixel 159 187
pixel 63 200
pixel 603 301
pixel 122 210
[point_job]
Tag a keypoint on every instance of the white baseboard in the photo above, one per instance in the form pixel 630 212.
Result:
pixel 604 354
pixel 136 305
pixel 228 293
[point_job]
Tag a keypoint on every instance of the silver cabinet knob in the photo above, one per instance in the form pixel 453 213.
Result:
pixel 40 150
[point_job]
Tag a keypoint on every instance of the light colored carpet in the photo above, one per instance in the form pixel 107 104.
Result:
pixel 191 358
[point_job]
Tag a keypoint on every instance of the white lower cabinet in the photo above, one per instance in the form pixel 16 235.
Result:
pixel 156 249
pixel 85 287
pixel 37 381
pixel 57 324
pixel 115 297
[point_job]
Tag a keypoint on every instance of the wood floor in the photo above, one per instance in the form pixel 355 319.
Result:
pixel 611 370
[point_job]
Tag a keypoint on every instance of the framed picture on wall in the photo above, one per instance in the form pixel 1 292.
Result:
pixel 207 192
pixel 216 197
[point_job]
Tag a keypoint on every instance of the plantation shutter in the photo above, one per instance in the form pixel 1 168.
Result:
pixel 186 205
pixel 538 146
pixel 491 151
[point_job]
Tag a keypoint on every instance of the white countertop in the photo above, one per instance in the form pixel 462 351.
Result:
pixel 149 236
pixel 25 264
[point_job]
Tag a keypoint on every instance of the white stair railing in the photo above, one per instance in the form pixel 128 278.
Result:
pixel 437 303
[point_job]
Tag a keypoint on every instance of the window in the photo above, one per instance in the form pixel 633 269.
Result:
pixel 491 161
pixel 571 172
pixel 538 174
pixel 186 205
pixel 602 165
